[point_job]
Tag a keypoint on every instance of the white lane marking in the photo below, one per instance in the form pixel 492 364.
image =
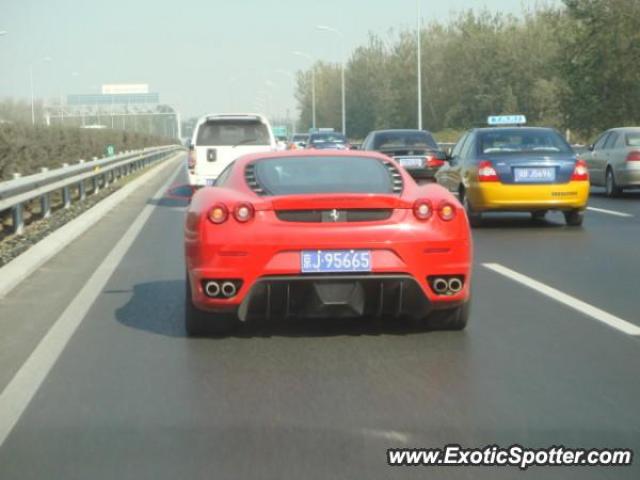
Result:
pixel 21 267
pixel 593 312
pixel 610 212
pixel 390 435
pixel 17 395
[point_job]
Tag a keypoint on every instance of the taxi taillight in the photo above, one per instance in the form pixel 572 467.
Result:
pixel 580 171
pixel 486 172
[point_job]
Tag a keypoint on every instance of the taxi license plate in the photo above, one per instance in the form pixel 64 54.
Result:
pixel 335 261
pixel 411 162
pixel 534 175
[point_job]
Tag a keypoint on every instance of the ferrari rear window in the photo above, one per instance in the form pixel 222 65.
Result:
pixel 303 175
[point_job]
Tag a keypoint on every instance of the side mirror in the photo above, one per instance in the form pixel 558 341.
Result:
pixel 182 192
pixel 591 147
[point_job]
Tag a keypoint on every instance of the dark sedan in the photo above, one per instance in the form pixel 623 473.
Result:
pixel 416 150
pixel 328 140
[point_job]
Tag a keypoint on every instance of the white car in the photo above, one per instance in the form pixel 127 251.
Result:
pixel 219 139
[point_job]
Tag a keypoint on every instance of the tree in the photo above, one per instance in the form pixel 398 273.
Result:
pixel 601 64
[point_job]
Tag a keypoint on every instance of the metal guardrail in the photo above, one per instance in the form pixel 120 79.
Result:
pixel 14 194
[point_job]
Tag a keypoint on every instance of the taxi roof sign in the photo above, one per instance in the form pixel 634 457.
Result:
pixel 497 120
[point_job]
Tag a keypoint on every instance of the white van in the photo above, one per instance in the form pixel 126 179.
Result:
pixel 219 139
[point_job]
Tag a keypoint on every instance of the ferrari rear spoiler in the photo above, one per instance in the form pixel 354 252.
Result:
pixel 342 201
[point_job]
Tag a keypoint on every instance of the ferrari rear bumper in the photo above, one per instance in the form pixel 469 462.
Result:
pixel 345 296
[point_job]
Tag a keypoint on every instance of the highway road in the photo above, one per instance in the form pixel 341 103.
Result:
pixel 130 397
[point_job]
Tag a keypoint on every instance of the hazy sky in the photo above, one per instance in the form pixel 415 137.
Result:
pixel 199 55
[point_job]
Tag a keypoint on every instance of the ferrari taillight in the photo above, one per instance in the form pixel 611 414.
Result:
pixel 580 172
pixel 486 172
pixel 446 211
pixel 218 214
pixel 422 209
pixel 243 212
pixel 633 156
pixel 192 159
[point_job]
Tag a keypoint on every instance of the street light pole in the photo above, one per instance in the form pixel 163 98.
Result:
pixel 33 101
pixel 293 80
pixel 33 98
pixel 313 85
pixel 419 35
pixel 342 67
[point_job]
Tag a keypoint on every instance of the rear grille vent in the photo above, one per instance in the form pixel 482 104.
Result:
pixel 252 181
pixel 396 177
pixel 335 216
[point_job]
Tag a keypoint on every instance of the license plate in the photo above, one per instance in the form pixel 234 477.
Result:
pixel 335 261
pixel 534 175
pixel 411 162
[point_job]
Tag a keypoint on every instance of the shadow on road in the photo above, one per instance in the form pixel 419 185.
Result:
pixel 158 307
pixel 520 222
pixel 626 195
pixel 169 202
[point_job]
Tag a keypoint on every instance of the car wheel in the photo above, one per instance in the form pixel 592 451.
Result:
pixel 538 215
pixel 199 323
pixel 449 319
pixel 611 187
pixel 574 218
pixel 475 218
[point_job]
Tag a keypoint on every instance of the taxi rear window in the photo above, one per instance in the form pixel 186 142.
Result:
pixel 522 140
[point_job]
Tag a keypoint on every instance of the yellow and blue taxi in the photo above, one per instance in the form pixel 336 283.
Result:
pixel 516 168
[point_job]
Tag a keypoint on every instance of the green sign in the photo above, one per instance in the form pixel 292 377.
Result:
pixel 280 131
pixel 110 150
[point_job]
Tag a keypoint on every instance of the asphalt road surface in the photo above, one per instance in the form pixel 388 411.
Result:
pixel 130 397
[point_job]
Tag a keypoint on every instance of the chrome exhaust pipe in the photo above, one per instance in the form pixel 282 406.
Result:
pixel 455 285
pixel 212 289
pixel 440 286
pixel 228 289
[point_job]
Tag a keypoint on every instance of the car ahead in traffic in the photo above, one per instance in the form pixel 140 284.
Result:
pixel 520 169
pixel 415 150
pixel 327 140
pixel 219 139
pixel 324 233
pixel 614 160
pixel 298 140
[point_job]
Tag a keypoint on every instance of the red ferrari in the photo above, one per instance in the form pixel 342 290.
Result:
pixel 325 234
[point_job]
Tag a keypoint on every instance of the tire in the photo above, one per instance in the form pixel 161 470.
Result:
pixel 475 218
pixel 199 323
pixel 538 215
pixel 450 319
pixel 611 187
pixel 574 218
